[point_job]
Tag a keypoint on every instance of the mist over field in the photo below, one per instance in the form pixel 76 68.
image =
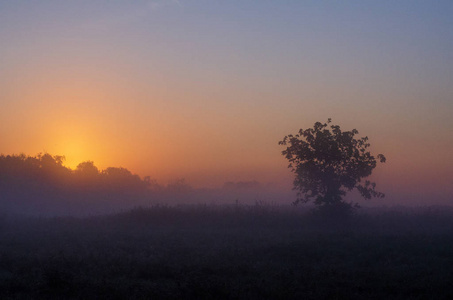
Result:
pixel 42 186
pixel 90 233
pixel 229 252
pixel 174 149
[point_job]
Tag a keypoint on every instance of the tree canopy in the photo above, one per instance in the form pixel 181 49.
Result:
pixel 44 177
pixel 328 163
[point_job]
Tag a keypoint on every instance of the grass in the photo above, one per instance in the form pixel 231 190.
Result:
pixel 231 252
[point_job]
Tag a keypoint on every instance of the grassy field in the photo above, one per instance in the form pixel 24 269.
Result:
pixel 203 252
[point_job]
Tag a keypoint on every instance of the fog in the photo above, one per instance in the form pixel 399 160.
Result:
pixel 90 233
pixel 42 185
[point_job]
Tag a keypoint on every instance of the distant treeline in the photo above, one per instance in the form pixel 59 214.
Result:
pixel 42 184
pixel 31 183
pixel 44 172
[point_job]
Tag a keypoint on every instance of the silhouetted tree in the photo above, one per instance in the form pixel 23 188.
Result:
pixel 328 163
pixel 87 176
pixel 37 182
pixel 87 168
pixel 51 167
pixel 121 178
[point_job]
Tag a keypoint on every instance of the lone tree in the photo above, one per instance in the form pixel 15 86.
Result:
pixel 328 163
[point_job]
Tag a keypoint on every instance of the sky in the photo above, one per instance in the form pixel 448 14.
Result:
pixel 204 90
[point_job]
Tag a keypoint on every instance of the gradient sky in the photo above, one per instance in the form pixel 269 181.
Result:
pixel 204 90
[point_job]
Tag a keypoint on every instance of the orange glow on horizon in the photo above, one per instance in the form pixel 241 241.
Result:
pixel 75 151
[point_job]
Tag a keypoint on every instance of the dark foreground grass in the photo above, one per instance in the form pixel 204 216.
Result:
pixel 228 253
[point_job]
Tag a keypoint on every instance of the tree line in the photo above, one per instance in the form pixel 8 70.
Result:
pixel 47 172
pixel 42 183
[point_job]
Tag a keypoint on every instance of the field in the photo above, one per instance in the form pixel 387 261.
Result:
pixel 229 252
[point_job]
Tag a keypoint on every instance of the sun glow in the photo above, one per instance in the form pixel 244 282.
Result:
pixel 80 141
pixel 75 152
